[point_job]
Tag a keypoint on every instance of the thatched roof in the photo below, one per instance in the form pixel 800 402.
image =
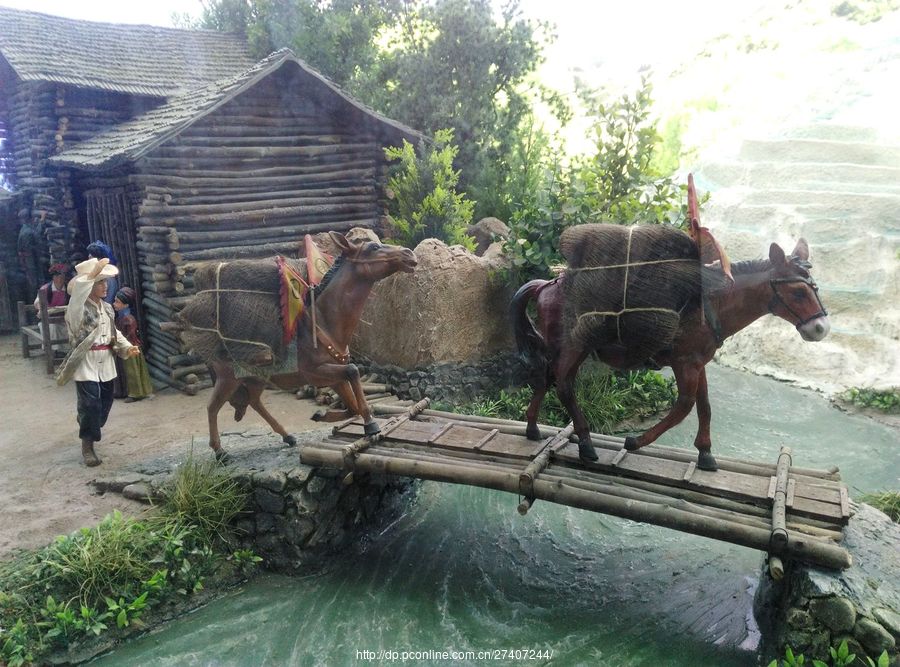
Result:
pixel 135 138
pixel 134 59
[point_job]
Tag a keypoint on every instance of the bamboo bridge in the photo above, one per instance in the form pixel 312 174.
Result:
pixel 789 512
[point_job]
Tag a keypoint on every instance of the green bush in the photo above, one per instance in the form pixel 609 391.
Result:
pixel 618 182
pixel 422 197
pixel 884 400
pixel 106 577
pixel 606 399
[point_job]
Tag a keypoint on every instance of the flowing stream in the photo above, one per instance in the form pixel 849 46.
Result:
pixel 462 571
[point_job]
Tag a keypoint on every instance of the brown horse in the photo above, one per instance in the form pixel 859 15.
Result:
pixel 325 364
pixel 780 285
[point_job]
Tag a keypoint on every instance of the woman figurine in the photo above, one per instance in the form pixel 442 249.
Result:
pixel 57 296
pixel 137 376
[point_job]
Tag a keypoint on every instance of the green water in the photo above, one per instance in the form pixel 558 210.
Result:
pixel 462 571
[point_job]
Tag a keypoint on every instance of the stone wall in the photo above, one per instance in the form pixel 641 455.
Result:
pixel 449 381
pixel 297 514
pixel 812 609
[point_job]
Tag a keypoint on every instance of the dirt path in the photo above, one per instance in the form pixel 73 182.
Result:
pixel 44 487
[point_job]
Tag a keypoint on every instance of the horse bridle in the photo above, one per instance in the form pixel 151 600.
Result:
pixel 808 281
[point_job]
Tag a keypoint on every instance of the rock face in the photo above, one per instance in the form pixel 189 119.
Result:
pixel 485 232
pixel 811 609
pixel 839 188
pixel 451 309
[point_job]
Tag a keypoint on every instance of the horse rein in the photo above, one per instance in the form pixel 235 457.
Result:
pixel 777 298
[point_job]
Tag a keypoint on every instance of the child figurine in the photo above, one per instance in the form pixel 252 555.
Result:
pixel 137 376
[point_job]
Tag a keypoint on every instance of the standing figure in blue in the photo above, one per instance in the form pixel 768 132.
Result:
pixel 99 250
pixel 93 338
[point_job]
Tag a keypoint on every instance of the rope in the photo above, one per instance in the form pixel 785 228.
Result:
pixel 623 266
pixel 217 331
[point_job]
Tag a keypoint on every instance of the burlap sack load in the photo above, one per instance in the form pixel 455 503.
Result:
pixel 628 286
pixel 236 313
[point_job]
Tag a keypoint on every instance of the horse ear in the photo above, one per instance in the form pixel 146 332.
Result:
pixel 340 240
pixel 776 255
pixel 801 251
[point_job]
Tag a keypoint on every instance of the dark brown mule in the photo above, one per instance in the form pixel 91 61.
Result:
pixel 780 285
pixel 338 308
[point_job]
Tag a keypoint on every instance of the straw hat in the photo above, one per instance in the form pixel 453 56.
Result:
pixel 83 270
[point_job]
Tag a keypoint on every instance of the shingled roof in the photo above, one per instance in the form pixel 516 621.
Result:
pixel 133 139
pixel 135 59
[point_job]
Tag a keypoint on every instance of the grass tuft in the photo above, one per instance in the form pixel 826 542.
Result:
pixel 886 501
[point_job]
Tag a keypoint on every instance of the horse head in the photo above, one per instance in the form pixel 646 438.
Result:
pixel 795 295
pixel 374 261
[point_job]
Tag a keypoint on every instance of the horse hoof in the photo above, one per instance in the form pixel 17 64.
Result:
pixel 631 443
pixel 290 440
pixel 706 461
pixel 222 457
pixel 586 452
pixel 533 432
pixel 371 429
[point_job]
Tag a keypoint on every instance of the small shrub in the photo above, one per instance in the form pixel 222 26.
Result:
pixel 883 400
pixel 422 197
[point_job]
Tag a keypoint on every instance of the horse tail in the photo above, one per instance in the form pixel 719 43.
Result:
pixel 532 347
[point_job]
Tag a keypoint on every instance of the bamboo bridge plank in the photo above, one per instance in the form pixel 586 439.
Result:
pixel 820 501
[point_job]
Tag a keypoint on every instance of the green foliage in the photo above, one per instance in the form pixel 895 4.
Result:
pixel 246 560
pixel 840 657
pixel 618 183
pixel 105 577
pixel 423 200
pixel 884 400
pixel 606 399
pixel 337 37
pixel 886 501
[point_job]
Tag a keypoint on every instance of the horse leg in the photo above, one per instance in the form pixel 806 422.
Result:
pixel 532 432
pixel 348 398
pixel 703 441
pixel 225 385
pixel 566 370
pixel 687 378
pixel 254 398
pixel 370 426
pixel 345 377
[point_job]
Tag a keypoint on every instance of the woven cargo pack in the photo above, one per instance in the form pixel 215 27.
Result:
pixel 628 286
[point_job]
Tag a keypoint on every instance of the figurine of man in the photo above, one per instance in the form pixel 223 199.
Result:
pixel 93 338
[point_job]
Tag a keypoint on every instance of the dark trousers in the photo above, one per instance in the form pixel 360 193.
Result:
pixel 95 400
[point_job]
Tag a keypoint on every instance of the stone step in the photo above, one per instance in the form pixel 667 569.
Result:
pixel 835 222
pixel 878 203
pixel 834 132
pixel 816 150
pixel 801 175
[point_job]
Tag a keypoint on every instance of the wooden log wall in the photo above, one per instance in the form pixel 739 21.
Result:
pixel 44 119
pixel 249 180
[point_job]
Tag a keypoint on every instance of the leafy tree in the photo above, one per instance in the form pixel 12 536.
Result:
pixel 616 183
pixel 423 200
pixel 337 37
pixel 453 64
